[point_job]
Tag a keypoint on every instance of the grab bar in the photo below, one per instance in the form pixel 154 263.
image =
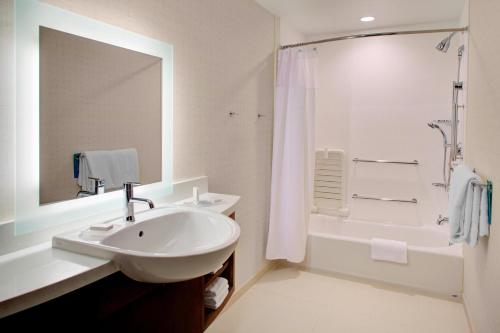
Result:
pixel 355 196
pixel 356 160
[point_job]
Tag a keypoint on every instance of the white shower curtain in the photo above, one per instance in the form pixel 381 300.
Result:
pixel 293 155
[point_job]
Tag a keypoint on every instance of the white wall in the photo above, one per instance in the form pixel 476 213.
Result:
pixel 375 98
pixel 223 61
pixel 288 33
pixel 482 263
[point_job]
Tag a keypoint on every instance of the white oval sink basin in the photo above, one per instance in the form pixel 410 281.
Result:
pixel 163 245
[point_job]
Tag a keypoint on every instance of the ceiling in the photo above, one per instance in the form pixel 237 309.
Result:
pixel 312 17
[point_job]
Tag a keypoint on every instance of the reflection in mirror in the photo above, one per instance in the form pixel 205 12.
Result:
pixel 100 117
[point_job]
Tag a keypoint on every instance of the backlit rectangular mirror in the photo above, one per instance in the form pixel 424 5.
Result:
pixel 100 116
pixel 93 101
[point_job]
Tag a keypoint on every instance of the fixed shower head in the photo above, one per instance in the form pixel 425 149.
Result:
pixel 431 125
pixel 444 45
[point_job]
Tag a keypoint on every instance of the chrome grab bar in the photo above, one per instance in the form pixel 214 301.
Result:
pixel 356 160
pixel 355 196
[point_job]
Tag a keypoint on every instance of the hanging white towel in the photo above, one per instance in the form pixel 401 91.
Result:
pixel 474 224
pixel 484 227
pixel 461 203
pixel 114 166
pixel 389 250
pixel 219 298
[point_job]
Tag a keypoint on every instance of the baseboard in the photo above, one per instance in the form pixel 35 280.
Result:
pixel 467 314
pixel 241 290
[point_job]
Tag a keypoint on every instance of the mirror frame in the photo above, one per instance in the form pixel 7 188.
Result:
pixel 29 16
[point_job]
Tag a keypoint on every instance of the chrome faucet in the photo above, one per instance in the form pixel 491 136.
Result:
pixel 441 220
pixel 130 200
pixel 98 188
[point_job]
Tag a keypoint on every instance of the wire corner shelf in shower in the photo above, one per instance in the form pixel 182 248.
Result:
pixel 355 196
pixel 358 160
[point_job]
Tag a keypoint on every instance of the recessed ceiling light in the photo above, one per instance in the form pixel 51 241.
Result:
pixel 367 19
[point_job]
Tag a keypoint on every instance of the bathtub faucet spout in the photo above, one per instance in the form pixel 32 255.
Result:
pixel 441 220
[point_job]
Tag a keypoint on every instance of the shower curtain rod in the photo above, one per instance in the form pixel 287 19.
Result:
pixel 376 34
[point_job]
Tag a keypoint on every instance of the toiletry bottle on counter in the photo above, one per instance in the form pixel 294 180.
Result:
pixel 196 195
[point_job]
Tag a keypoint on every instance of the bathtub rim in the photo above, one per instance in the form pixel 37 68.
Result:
pixel 453 250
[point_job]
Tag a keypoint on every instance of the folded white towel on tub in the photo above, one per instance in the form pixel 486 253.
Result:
pixel 389 250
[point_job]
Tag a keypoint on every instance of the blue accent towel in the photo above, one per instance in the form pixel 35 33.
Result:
pixel 76 165
pixel 490 199
pixel 484 227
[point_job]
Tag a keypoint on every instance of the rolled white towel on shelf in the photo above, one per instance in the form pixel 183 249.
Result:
pixel 216 287
pixel 215 302
pixel 389 250
pixel 217 292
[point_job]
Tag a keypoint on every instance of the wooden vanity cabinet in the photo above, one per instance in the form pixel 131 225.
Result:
pixel 119 304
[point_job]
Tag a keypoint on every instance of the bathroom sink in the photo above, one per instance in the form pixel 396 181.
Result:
pixel 164 244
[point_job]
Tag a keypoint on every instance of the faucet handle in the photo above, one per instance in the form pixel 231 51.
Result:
pixel 98 185
pixel 99 181
pixel 131 183
pixel 442 219
pixel 128 186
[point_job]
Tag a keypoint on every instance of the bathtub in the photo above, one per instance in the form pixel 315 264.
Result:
pixel 343 246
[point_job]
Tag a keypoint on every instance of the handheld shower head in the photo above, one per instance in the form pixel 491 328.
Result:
pixel 444 45
pixel 436 126
pixel 461 51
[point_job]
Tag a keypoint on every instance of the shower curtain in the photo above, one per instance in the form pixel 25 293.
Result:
pixel 293 155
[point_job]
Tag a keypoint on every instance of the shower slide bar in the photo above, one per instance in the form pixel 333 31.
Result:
pixel 355 196
pixel 356 160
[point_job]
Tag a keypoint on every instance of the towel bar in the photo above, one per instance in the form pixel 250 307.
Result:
pixel 356 160
pixel 477 183
pixel 355 196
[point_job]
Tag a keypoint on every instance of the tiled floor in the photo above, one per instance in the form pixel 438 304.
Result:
pixel 289 300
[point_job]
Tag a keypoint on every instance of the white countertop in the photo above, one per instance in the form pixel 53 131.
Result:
pixel 37 274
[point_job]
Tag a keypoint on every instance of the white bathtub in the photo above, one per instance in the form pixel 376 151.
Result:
pixel 343 247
